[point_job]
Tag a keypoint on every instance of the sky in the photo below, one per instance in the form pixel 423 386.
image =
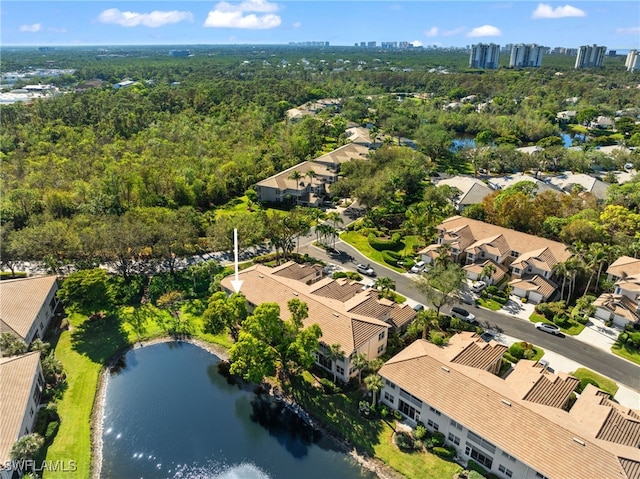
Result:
pixel 614 24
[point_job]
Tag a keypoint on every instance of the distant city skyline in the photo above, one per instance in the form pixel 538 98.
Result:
pixel 614 24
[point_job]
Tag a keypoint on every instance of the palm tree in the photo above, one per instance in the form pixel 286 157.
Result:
pixel 296 176
pixel 26 448
pixel 596 255
pixel 324 230
pixel 488 272
pixel 360 362
pixel 335 219
pixel 428 319
pixel 384 285
pixel 335 354
pixel 560 269
pixel 374 383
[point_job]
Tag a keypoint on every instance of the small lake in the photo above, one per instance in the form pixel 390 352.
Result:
pixel 168 413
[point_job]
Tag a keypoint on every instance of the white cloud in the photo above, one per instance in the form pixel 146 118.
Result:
pixel 545 10
pixel 57 30
pixel 417 43
pixel 628 31
pixel 34 27
pixel 154 19
pixel 437 32
pixel 485 31
pixel 227 15
pixel 297 24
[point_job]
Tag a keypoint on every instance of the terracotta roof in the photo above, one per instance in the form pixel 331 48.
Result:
pixel 624 266
pixel 552 441
pixel 620 429
pixel 542 259
pixel 476 231
pixel 479 354
pixel 297 271
pixel 630 283
pixel 495 245
pixel 619 305
pixel 341 289
pixel 348 152
pixel 535 283
pixel 337 324
pixel 16 379
pixel 477 268
pixel 21 301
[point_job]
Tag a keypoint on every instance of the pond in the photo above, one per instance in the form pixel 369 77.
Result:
pixel 169 413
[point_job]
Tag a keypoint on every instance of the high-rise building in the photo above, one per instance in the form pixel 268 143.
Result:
pixel 633 61
pixel 484 55
pixel 590 56
pixel 523 56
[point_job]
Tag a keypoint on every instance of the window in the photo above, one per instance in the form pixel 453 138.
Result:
pixel 389 397
pixel 41 326
pixel 481 442
pixel 508 456
pixel 324 361
pixel 457 425
pixel 410 397
pixel 380 348
pixel 541 476
pixel 432 424
pixel 479 457
pixel 454 439
pixel 505 471
pixel 31 412
pixel 514 254
pixel 390 384
pixel 381 336
pixel 516 270
pixel 340 370
pixel 408 411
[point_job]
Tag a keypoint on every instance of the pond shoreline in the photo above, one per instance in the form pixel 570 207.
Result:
pixel 381 470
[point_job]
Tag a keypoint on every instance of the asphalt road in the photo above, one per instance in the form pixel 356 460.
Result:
pixel 618 369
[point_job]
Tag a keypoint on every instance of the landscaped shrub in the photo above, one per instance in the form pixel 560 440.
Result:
pixel 398 415
pixel 364 408
pixel 516 350
pixel 550 310
pixel 473 466
pixel 584 382
pixel 9 275
pixel 352 275
pixel 385 244
pixel 561 320
pixel 328 386
pixel 408 263
pixel 420 432
pixel 438 439
pixel 404 441
pixel 389 258
pixel 475 475
pixel 447 453
pixel 510 358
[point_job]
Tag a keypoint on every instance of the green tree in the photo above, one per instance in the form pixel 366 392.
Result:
pixel 225 312
pixel 374 383
pixel 385 285
pixel 26 448
pixel 359 362
pixel 11 345
pixel 441 284
pixel 267 345
pixel 87 291
pixel 335 354
pixel 426 320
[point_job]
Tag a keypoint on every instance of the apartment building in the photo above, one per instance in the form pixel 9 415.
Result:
pixel 484 55
pixel 358 320
pixel 632 61
pixel 517 427
pixel 590 56
pixel 523 56
pixel 623 305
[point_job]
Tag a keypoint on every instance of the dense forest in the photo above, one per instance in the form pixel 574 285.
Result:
pixel 103 174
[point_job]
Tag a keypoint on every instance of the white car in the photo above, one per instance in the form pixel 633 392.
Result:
pixel 478 286
pixel 418 267
pixel 365 269
pixel 548 328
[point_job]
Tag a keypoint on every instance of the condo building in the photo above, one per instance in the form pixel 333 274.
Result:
pixel 484 55
pixel 590 56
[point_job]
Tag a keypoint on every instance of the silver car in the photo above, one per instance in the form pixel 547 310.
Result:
pixel 548 328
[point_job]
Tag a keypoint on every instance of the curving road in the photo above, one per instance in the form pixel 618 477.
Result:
pixel 614 367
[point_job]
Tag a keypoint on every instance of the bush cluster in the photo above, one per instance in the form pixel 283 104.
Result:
pixel 380 244
pixel 630 338
pixel 328 386
pixel 521 350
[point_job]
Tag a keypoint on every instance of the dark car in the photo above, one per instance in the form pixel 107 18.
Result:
pixel 464 315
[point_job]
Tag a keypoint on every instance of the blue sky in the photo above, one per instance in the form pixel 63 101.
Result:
pixel 615 24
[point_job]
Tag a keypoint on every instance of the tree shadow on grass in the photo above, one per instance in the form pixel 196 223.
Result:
pixel 99 339
pixel 338 415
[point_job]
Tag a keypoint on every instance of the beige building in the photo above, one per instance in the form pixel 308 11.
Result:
pixel 528 259
pixel 517 427
pixel 27 306
pixel 21 384
pixel 356 319
pixel 623 305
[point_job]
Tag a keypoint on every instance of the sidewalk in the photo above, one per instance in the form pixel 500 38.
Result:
pixel 557 363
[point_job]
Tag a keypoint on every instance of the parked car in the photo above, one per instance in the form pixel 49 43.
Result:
pixel 418 267
pixel 464 315
pixel 365 269
pixel 548 328
pixel 418 307
pixel 478 286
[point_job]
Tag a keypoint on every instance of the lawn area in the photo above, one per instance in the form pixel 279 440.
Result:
pixel 605 384
pixel 361 243
pixel 574 329
pixel 626 351
pixel 489 304
pixel 83 351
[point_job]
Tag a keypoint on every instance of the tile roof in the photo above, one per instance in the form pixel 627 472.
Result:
pixel 16 379
pixel 282 180
pixel 338 326
pixel 341 289
pixel 542 259
pixel 552 441
pixel 535 283
pixel 624 266
pixel 477 268
pixel 348 152
pixel 619 305
pixel 297 271
pixel 21 301
pixel 479 353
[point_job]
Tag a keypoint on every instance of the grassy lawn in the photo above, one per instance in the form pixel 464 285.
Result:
pixel 574 329
pixel 626 351
pixel 489 304
pixel 83 350
pixel 361 243
pixel 605 384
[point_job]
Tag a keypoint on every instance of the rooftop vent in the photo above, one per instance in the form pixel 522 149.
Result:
pixel 444 368
pixel 336 315
pixel 504 401
pixel 579 441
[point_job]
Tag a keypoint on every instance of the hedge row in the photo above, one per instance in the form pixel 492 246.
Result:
pixel 379 244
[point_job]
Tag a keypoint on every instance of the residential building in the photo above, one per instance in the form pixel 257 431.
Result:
pixel 528 259
pixel 358 320
pixel 566 115
pixel 315 177
pixel 590 56
pixel 27 306
pixel 471 190
pixel 484 55
pixel 502 182
pixel 602 122
pixel 623 305
pixel 21 384
pixel 517 427
pixel 568 181
pixel 523 56
pixel 632 61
